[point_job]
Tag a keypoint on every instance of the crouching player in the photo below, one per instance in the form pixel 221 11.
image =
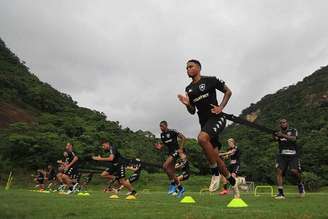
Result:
pixel 234 165
pixel 116 167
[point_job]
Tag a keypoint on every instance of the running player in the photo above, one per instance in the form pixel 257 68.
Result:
pixel 170 138
pixel 182 165
pixel 233 154
pixel 201 95
pixel 135 166
pixel 70 169
pixel 288 156
pixel 116 166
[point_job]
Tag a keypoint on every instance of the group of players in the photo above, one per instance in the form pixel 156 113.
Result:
pixel 200 96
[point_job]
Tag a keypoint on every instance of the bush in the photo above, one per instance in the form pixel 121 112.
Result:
pixel 312 182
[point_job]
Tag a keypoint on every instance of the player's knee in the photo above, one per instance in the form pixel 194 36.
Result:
pixel 279 172
pixel 295 172
pixel 165 167
pixel 104 174
pixel 202 139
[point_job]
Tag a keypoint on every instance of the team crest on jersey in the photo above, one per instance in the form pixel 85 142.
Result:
pixel 202 87
pixel 167 135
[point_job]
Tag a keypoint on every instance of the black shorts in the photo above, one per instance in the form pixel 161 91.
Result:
pixel 73 171
pixel 213 127
pixel 174 154
pixel 134 177
pixel 117 170
pixel 285 161
pixel 40 180
pixel 234 168
pixel 185 175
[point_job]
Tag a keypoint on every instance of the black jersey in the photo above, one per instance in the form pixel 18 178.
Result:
pixel 185 166
pixel 70 157
pixel 170 139
pixel 202 94
pixel 137 164
pixel 117 156
pixel 52 174
pixel 288 147
pixel 235 156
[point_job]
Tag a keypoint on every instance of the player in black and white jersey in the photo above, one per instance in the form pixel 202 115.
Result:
pixel 201 96
pixel 116 166
pixel 288 156
pixel 233 154
pixel 169 139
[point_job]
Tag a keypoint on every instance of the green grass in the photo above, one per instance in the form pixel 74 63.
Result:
pixel 21 203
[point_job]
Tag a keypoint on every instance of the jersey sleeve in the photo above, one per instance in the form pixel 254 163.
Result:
pixel 113 151
pixel 187 90
pixel 219 84
pixel 294 133
pixel 175 133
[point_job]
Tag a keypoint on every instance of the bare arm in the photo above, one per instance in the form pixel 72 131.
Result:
pixel 75 159
pixel 159 146
pixel 185 100
pixel 227 94
pixel 182 141
pixel 99 158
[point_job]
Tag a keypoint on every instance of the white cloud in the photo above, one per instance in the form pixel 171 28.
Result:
pixel 127 58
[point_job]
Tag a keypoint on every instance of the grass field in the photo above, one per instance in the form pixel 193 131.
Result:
pixel 18 202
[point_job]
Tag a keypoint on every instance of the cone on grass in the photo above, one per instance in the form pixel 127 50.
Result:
pixel 114 197
pixel 237 203
pixel 188 200
pixel 130 197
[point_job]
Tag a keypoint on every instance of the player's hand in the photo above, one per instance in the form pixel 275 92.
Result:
pixel 158 146
pixel 216 109
pixel 279 134
pixel 184 99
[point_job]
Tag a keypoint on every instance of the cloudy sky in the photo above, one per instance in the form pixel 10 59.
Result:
pixel 127 58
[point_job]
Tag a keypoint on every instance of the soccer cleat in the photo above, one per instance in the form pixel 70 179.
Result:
pixel 69 192
pixel 215 183
pixel 301 190
pixel 76 187
pixel 280 196
pixel 181 192
pixel 171 189
pixel 223 192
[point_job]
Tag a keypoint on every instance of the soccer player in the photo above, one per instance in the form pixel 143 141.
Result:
pixel 170 138
pixel 51 176
pixel 183 166
pixel 40 178
pixel 288 156
pixel 70 166
pixel 116 166
pixel 201 95
pixel 135 166
pixel 234 154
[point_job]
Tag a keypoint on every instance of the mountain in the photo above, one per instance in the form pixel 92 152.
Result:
pixel 36 122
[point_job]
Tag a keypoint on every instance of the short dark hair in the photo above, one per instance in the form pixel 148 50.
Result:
pixel 196 62
pixel 104 141
pixel 163 122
